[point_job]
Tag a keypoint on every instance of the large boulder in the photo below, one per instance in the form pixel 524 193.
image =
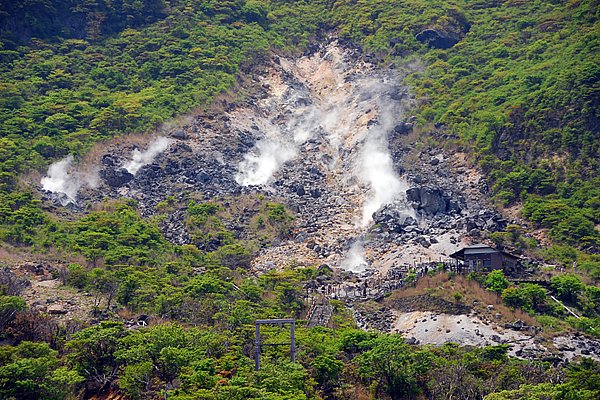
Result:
pixel 179 134
pixel 431 200
pixel 393 219
pixel 437 39
pixel 116 177
pixel 203 177
pixel 403 128
pixel 446 31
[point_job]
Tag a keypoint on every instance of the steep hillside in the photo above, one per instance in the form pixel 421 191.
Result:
pixel 528 91
pixel 68 19
pixel 172 171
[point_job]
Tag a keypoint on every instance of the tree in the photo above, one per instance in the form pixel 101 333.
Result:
pixel 567 286
pixel 92 353
pixel 327 369
pixel 136 379
pixel 527 296
pixel 393 363
pixel 584 374
pixel 589 300
pixel 103 283
pixel 77 276
pixel 29 372
pixel 454 380
pixel 164 347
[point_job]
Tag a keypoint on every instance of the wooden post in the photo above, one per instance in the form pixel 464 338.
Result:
pixel 257 348
pixel 293 340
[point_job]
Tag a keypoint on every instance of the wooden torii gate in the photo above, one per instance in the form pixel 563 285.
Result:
pixel 292 342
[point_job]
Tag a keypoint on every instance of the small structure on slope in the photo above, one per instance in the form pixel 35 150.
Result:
pixel 481 257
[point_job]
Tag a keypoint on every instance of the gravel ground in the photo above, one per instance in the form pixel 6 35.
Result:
pixel 432 328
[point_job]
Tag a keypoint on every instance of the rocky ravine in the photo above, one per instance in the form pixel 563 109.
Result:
pixel 327 135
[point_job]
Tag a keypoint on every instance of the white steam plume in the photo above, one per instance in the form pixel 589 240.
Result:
pixel 63 179
pixel 377 170
pixel 271 152
pixel 266 158
pixel 141 158
pixel 375 164
pixel 355 260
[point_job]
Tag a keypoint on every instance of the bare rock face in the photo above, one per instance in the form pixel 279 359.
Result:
pixel 447 34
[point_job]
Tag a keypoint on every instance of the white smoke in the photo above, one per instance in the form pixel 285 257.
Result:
pixel 375 164
pixel 280 145
pixel 141 158
pixel 355 113
pixel 62 178
pixel 265 159
pixel 355 260
pixel 377 170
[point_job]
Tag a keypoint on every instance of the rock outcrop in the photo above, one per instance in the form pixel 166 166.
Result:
pixel 437 38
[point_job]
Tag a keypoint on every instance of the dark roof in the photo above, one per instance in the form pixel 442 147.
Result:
pixel 478 249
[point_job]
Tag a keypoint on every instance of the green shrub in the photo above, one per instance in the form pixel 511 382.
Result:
pixel 527 296
pixel 496 281
pixel 567 286
pixel 77 276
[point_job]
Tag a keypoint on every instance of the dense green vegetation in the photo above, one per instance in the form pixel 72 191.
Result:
pixel 509 94
pixel 519 92
pixel 197 363
pixel 72 19
pixel 536 300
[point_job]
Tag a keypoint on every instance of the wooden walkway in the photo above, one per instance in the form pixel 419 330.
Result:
pixel 541 282
pixel 319 314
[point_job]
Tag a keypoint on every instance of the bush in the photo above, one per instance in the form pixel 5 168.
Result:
pixel 77 276
pixel 567 287
pixel 327 369
pixel 527 296
pixel 496 281
pixel 9 306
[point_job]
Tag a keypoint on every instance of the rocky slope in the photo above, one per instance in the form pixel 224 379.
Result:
pixel 328 135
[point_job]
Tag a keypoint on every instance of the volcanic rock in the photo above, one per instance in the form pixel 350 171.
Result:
pixel 116 177
pixel 56 309
pixel 437 39
pixel 428 199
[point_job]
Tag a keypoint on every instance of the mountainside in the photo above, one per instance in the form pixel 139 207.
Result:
pixel 172 171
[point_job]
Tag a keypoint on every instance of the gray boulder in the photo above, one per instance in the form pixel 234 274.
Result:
pixel 430 200
pixel 116 177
